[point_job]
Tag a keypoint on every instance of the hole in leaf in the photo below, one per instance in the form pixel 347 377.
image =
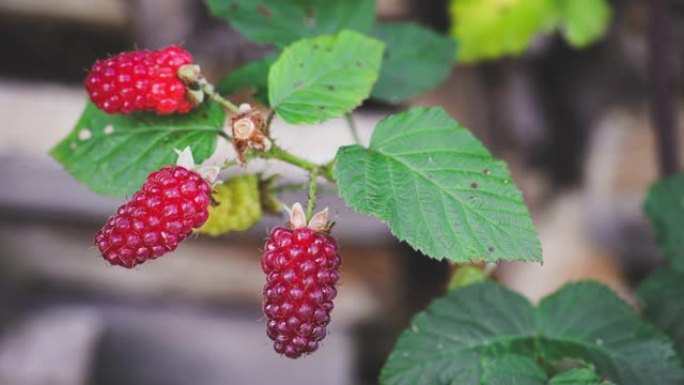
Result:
pixel 321 107
pixel 264 11
pixel 486 171
pixel 85 134
pixel 474 185
pixel 491 249
pixel 331 88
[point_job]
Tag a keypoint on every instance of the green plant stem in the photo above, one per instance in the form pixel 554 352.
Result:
pixel 313 185
pixel 279 153
pixel 352 127
pixel 210 91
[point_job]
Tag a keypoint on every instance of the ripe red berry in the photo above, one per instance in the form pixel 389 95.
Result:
pixel 302 268
pixel 171 202
pixel 140 81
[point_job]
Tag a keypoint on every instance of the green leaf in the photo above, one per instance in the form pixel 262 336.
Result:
pixel 449 342
pixel 253 75
pixel 665 208
pixel 113 154
pixel 283 22
pixel 324 77
pixel 582 22
pixel 416 60
pixel 439 189
pixel 511 369
pixel 453 340
pixel 662 293
pixel 588 321
pixel 578 376
pixel 489 29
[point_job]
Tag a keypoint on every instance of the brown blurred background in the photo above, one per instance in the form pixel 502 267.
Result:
pixel 573 125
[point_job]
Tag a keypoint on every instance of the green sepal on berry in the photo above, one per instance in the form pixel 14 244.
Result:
pixel 238 206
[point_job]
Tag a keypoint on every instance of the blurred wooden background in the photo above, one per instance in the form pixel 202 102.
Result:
pixel 573 126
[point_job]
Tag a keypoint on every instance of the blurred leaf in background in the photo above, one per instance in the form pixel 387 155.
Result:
pixel 283 22
pixel 417 59
pixel 582 22
pixel 253 76
pixel 661 295
pixel 489 29
pixel 665 208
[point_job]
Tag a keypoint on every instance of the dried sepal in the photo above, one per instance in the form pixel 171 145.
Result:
pixel 319 222
pixel 248 129
pixel 186 160
pixel 297 216
pixel 191 75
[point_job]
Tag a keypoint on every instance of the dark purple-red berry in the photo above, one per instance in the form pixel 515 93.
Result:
pixel 302 267
pixel 171 202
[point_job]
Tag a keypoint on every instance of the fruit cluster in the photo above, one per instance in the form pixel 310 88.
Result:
pixel 301 262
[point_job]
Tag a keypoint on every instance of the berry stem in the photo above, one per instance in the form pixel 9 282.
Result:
pixel 279 153
pixel 351 124
pixel 209 90
pixel 313 185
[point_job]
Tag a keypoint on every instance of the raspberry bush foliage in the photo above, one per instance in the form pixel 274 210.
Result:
pixel 152 132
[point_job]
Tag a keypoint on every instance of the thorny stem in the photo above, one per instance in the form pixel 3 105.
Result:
pixel 352 127
pixel 209 90
pixel 313 185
